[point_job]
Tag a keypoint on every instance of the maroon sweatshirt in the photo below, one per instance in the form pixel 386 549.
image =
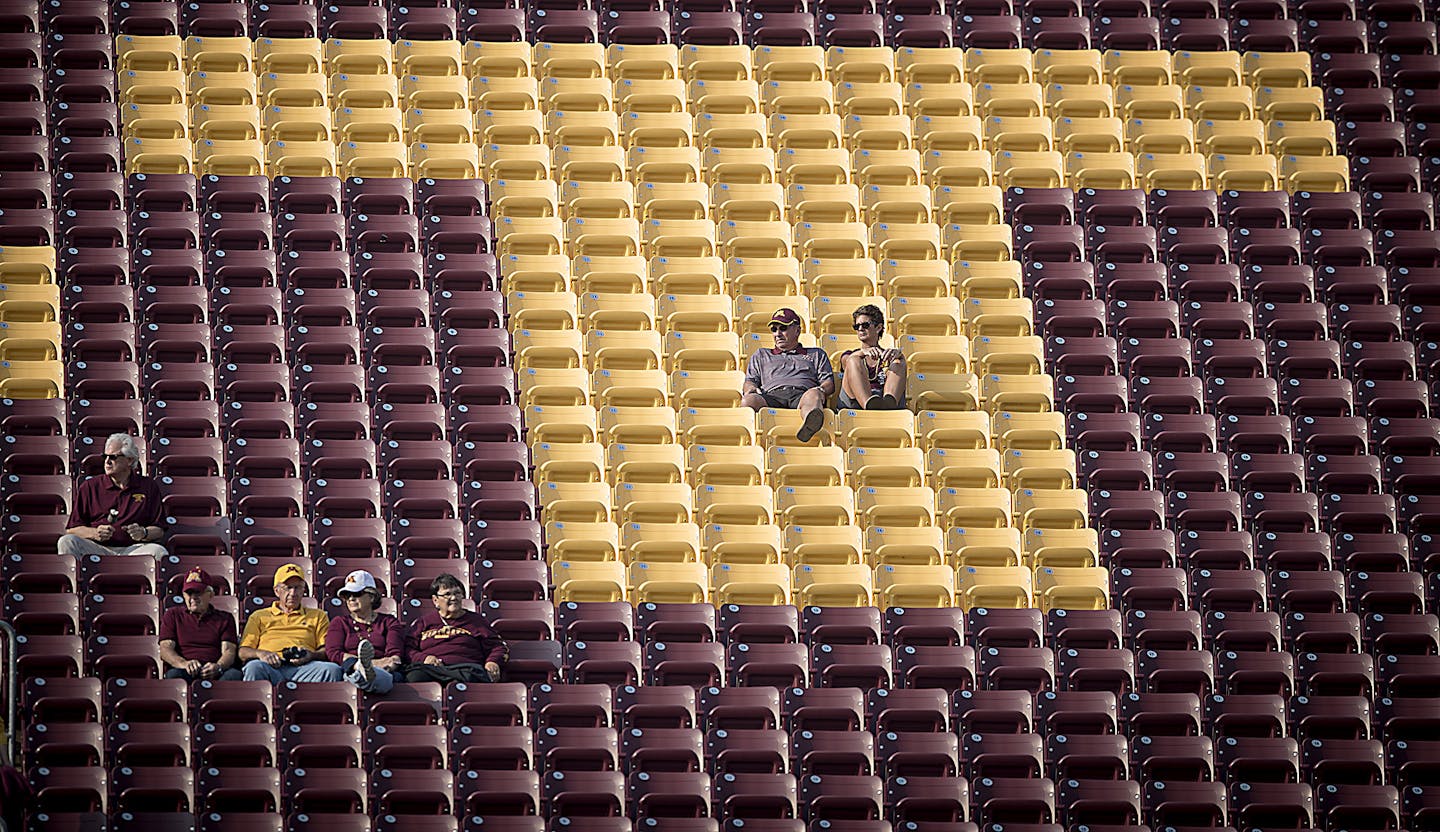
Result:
pixel 464 640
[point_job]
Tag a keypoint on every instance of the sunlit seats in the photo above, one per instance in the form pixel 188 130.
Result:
pixel 638 425
pixel 1051 509
pixel 971 546
pixel 1159 101
pixel 833 585
pixel 1138 67
pixel 580 582
pixel 804 505
pixel 745 583
pixel 642 61
pixel 726 465
pixel 1080 101
pixel 763 201
pixel 1290 103
pixel 1028 468
pixel 914 586
pixel 1072 588
pixel 645 463
pixel 1324 174
pixel 1171 171
pixel 994 587
pixel 1028 431
pixel 939 98
pixel 1222 103
pixel 647 502
pixel 824 545
pixel 741 505
pixel 582 542
pixel 800 465
pixel 568 461
pixel 1079 67
pixel 560 425
pixel 1062 547
pixel 720 426
pixel 1307 138
pixel 1112 170
pixel 963 468
pixel 668 583
pixel 587 502
pixel 906 546
pixel 353 56
pixel 1235 138
pixel 875 429
pixel 1277 69
pixel 661 542
pixel 1244 173
pixel 885 467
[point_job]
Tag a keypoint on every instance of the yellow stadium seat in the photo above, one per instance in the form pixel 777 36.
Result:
pixel 763 584
pixel 582 542
pixel 1028 431
pixel 742 505
pixel 1029 394
pixel 922 546
pixel 1114 170
pixel 885 467
pixel 291 158
pixel 645 463
pixel 1009 355
pixel 1071 588
pixel 653 129
pixel 1062 547
pixel 500 58
pixel 983 546
pixel 740 165
pixel 228 158
pixel 569 60
pixel 589 164
pixel 603 237
pixel 597 199
pixel 1235 138
pixel 1089 135
pixel 362 91
pixel 875 429
pixel 29 341
pixel 702 351
pixel 1171 171
pixel 1325 174
pixel 509 127
pixel 925 316
pixel 648 502
pixel 290 123
pixel 152 86
pixel 1039 469
pixel 1161 136
pixel 637 425
pixel 580 582
pixel 831 240
pixel 1290 104
pixel 695 313
pixel 913 278
pixel 381 160
pixel 807 505
pixel 159 121
pixel 28 303
pixel 994 587
pixel 868 98
pixel 718 62
pixel 944 391
pixel 840 276
pixel 525 198
pixel 878 132
pixel 630 388
pixel 726 465
pixel 823 203
pixel 914 586
pixel 672 201
pixel 999 66
pixel 223 54
pixel 561 424
pixel 1138 67
pixel 957 168
pixel 823 545
pixel 357 57
pixel 1221 103
pixel 1070 100
pixel 963 468
pixel 1016 100
pixel 716 96
pixel 900 166
pixel 546 386
pixel 935 353
pixel 32 379
pixel 800 465
pixel 663 164
pixel 291 55
pixel 860 63
pixel 1079 67
pixel 428 57
pixel 986 508
pixel 531 238
pixel 747 201
pixel 986 243
pixel 717 426
pixel 949 133
pixel 668 583
pixel 1207 69
pixel 568 461
pixel 584 502
pixel 833 585
pixel 968 205
pixel 27 265
pixel 797 97
pixel 895 506
pixel 952 98
pixel 505 93
pixel 1051 508
pixel 1244 173
pixel 804 63
pixel 778 427
pixel 643 61
pixel 690 276
pixel 368 125
pixel 899 204
pixel 813 166
pixel 1277 69
pixel 984 316
pixel 989 279
pixel 441 127
pixel 1018 133
pixel 661 542
pixel 930 64
pixel 733 130
pixel 1302 138
pixel 236 122
pixel 1160 101
pixel 744 544
pixel 434 92
pixel 706 388
pixel 540 309
pixel 679 238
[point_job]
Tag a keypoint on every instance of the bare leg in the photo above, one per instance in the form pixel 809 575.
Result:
pixel 754 401
pixel 856 383
pixel 895 381
pixel 811 406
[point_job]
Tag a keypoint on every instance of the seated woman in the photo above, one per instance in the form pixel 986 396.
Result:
pixel 874 375
pixel 451 643
pixel 368 645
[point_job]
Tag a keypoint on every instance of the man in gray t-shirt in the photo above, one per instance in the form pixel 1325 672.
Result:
pixel 790 376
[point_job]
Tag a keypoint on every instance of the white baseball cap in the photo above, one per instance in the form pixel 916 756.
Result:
pixel 359 581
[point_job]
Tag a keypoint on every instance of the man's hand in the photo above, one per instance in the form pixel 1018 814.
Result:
pixel 431 660
pixel 388 663
pixel 137 532
pixel 194 668
pixel 104 533
pixel 493 669
pixel 210 670
pixel 270 658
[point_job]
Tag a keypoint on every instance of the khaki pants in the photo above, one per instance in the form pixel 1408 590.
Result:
pixel 75 545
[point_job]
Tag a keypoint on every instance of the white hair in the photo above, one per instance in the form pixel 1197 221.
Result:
pixel 128 445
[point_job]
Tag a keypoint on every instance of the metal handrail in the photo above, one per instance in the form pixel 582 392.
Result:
pixel 12 691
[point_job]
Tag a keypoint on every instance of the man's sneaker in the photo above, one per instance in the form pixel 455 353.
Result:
pixel 366 652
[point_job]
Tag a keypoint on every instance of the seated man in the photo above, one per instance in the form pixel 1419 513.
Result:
pixel 198 641
pixel 874 375
pixel 453 644
pixel 286 641
pixel 118 512
pixel 790 376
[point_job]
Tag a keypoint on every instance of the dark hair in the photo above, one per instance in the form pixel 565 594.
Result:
pixel 445 581
pixel 870 311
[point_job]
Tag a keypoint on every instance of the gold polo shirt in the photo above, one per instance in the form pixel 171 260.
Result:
pixel 274 629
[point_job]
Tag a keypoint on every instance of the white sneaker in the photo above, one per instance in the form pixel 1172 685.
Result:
pixel 366 653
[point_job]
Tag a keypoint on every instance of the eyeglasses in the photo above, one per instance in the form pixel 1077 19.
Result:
pixel 781 327
pixel 865 325
pixel 194 593
pixel 114 457
pixel 450 596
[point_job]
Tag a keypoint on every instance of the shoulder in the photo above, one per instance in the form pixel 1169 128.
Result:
pixel 260 617
pixel 173 613
pixel 143 482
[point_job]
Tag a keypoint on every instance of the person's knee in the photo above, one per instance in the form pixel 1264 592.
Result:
pixel 328 672
pixel 256 671
pixel 754 401
pixel 70 544
pixel 154 550
pixel 814 397
pixel 232 674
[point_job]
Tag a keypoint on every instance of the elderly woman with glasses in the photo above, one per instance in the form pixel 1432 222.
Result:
pixel 369 645
pixel 453 644
pixel 874 375
pixel 118 512
pixel 790 376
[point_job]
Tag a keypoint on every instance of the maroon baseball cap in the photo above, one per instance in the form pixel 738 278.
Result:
pixel 785 316
pixel 197 579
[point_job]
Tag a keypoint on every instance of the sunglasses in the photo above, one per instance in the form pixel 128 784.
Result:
pixel 781 327
pixel 865 325
pixel 114 457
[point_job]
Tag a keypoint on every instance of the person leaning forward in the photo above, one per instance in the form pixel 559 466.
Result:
pixel 789 376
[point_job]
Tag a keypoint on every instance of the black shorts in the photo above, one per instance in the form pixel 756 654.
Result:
pixel 784 398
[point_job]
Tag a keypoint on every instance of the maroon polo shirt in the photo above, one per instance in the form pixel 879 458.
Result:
pixel 137 502
pixel 345 634
pixel 198 638
pixel 464 640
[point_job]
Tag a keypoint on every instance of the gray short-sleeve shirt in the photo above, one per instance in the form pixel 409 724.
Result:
pixel 803 367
